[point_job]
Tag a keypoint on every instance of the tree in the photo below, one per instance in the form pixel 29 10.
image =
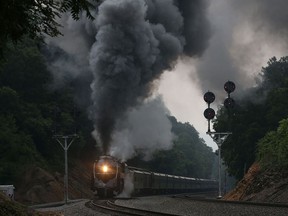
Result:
pixel 10 102
pixel 36 17
pixel 25 70
pixel 273 148
pixel 254 116
pixel 28 113
pixel 275 75
pixel 16 149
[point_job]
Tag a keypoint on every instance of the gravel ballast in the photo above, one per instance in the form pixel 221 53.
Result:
pixel 174 206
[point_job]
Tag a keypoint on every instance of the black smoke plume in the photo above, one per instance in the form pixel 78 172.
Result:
pixel 196 27
pixel 135 42
pixel 128 46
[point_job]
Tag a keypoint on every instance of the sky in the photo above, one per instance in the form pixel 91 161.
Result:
pixel 184 99
pixel 132 71
pixel 244 37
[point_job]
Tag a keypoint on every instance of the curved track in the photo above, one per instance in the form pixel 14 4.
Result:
pixel 109 206
pixel 200 204
pixel 210 199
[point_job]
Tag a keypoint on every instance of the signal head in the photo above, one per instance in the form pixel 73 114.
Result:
pixel 229 87
pixel 229 103
pixel 209 97
pixel 209 113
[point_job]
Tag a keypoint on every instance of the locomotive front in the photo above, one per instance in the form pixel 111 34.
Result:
pixel 108 176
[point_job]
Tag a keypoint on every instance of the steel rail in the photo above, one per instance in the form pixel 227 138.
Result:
pixel 110 206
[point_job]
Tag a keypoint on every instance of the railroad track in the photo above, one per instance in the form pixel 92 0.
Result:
pixel 209 199
pixel 109 206
pixel 186 205
pixel 196 195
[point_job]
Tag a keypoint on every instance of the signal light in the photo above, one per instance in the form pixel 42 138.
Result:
pixel 229 87
pixel 209 97
pixel 209 113
pixel 229 103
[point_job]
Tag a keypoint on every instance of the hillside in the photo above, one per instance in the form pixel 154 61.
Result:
pixel 261 186
pixel 38 186
pixel 12 208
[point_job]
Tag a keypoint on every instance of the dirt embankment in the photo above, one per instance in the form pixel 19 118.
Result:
pixel 261 186
pixel 39 186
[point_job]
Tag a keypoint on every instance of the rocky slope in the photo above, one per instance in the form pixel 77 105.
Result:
pixel 12 208
pixel 38 186
pixel 261 186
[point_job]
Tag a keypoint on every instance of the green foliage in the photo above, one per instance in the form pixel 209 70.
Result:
pixel 273 147
pixel 76 6
pixel 277 105
pixel 8 208
pixel 25 71
pixel 30 113
pixel 10 101
pixel 275 75
pixel 12 208
pixel 35 18
pixel 190 156
pixel 18 18
pixel 16 150
pixel 254 116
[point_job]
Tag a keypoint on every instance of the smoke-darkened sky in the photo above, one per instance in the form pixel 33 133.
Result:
pixel 191 46
pixel 245 34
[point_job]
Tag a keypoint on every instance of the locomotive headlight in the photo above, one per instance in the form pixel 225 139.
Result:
pixel 105 168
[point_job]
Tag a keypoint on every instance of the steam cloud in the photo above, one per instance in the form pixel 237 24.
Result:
pixel 144 130
pixel 121 54
pixel 135 42
pixel 128 186
pixel 245 35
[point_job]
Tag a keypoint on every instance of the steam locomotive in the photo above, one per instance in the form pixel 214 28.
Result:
pixel 111 178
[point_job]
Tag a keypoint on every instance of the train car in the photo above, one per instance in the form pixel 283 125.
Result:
pixel 146 182
pixel 110 178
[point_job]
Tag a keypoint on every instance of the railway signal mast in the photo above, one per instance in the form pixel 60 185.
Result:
pixel 209 113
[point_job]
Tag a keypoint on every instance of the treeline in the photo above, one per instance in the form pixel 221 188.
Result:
pixel 32 112
pixel 190 156
pixel 254 121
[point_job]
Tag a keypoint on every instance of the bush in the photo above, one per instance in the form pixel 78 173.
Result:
pixel 273 147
